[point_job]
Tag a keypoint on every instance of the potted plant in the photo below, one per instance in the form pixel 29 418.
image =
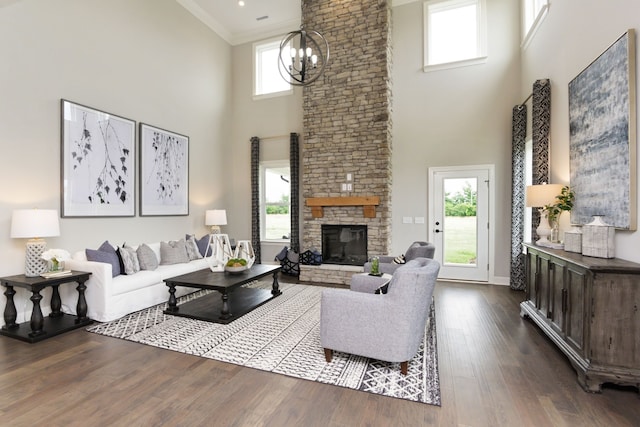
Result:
pixel 564 203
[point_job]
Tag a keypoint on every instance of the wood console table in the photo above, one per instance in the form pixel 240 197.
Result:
pixel 590 308
pixel 40 328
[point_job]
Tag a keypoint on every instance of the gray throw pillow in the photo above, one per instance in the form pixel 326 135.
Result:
pixel 146 257
pixel 173 252
pixel 192 248
pixel 129 260
pixel 107 254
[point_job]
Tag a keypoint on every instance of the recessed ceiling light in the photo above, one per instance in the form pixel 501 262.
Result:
pixel 240 3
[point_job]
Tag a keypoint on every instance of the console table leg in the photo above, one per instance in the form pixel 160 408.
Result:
pixel 56 304
pixel 37 321
pixel 224 313
pixel 10 313
pixel 275 289
pixel 173 302
pixel 81 307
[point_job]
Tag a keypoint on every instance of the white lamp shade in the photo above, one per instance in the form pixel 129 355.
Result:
pixel 543 194
pixel 215 217
pixel 31 223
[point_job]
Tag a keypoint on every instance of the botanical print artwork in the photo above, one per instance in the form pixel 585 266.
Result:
pixel 164 172
pixel 601 125
pixel 99 159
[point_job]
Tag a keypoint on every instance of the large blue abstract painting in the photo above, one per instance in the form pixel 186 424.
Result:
pixel 602 143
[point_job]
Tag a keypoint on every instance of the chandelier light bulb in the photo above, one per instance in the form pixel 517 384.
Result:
pixel 301 53
pixel 293 53
pixel 314 60
pixel 308 52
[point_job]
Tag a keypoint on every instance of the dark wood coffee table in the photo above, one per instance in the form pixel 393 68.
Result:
pixel 235 300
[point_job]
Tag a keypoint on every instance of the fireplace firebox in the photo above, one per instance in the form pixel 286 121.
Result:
pixel 344 244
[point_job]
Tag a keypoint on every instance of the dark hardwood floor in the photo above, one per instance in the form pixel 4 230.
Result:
pixel 496 369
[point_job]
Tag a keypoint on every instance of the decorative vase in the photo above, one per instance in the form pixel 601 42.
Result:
pixel 55 265
pixel 375 266
pixel 573 240
pixel 598 239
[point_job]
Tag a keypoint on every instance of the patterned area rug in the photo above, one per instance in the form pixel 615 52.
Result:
pixel 283 336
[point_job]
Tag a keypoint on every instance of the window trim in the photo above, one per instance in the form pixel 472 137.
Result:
pixel 481 36
pixel 529 33
pixel 257 47
pixel 264 165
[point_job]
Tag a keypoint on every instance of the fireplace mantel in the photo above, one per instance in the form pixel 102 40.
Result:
pixel 368 204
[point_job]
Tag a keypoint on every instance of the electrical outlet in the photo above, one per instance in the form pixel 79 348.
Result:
pixel 349 186
pixel 344 187
pixel 407 220
pixel 349 177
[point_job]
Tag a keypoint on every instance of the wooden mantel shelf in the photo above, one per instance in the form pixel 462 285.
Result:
pixel 368 204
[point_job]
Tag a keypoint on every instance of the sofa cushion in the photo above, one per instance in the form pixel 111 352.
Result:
pixel 143 279
pixel 203 245
pixel 146 257
pixel 107 254
pixel 129 259
pixel 173 252
pixel 193 252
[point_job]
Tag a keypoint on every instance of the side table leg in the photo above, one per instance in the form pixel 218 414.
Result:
pixel 224 313
pixel 173 302
pixel 37 321
pixel 10 313
pixel 81 307
pixel 275 289
pixel 56 304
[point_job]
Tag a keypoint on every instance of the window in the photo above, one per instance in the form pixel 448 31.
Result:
pixel 455 33
pixel 533 12
pixel 275 204
pixel 267 79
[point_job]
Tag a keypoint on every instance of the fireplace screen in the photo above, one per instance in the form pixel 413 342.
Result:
pixel 344 244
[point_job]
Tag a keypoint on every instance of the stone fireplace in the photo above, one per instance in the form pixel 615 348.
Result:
pixel 347 129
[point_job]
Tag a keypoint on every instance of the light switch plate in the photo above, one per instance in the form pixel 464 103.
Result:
pixel 407 220
pixel 419 220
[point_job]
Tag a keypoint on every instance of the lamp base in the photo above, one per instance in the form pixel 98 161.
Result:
pixel 34 265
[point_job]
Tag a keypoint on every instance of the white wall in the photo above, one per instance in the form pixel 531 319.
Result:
pixel 573 34
pixel 264 118
pixel 147 60
pixel 453 117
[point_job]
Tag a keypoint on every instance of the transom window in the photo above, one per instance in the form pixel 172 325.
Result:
pixel 267 80
pixel 533 12
pixel 455 33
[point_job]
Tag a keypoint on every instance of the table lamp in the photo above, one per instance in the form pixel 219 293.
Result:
pixel 215 218
pixel 33 224
pixel 538 196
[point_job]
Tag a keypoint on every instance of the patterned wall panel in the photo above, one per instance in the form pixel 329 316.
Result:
pixel 518 188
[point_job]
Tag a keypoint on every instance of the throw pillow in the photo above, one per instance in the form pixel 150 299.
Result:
pixel 282 254
pixel 146 257
pixel 400 259
pixel 203 244
pixel 107 254
pixel 173 252
pixel 193 252
pixel 129 260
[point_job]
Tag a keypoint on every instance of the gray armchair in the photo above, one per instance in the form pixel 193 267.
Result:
pixel 416 250
pixel 387 327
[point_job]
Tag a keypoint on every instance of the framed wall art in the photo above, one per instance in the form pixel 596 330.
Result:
pixel 602 144
pixel 97 163
pixel 164 172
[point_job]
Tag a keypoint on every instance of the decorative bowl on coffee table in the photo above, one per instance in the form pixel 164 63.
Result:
pixel 235 270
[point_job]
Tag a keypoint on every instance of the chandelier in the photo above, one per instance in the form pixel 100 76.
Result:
pixel 303 57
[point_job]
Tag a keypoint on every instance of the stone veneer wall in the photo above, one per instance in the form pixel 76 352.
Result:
pixel 347 117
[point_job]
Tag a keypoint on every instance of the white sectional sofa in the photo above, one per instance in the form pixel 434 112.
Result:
pixel 109 298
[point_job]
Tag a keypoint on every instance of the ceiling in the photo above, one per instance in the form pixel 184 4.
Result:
pixel 238 24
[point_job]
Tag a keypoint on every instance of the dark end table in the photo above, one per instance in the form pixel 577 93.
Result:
pixel 40 328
